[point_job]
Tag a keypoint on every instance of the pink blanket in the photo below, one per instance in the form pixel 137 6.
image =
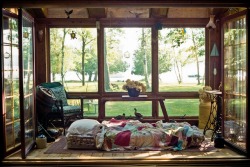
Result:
pixel 123 138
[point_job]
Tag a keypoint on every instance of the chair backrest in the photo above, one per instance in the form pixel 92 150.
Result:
pixel 57 89
pixel 45 97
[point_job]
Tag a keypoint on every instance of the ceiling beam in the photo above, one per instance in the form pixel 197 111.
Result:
pixel 159 12
pixel 37 12
pixel 96 13
pixel 121 3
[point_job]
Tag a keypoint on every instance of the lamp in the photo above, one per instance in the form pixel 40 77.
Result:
pixel 73 35
pixel 25 34
pixel 127 54
pixel 211 24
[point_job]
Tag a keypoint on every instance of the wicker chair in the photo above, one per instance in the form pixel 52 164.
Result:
pixel 52 104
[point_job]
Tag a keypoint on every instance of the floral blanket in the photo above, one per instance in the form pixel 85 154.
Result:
pixel 135 135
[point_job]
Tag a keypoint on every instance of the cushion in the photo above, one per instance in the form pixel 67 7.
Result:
pixel 60 94
pixel 82 126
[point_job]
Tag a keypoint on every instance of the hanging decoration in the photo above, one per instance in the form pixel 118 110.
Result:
pixel 25 34
pixel 68 13
pixel 158 26
pixel 73 35
pixel 210 24
pixel 214 51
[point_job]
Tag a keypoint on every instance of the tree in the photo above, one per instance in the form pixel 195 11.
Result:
pixel 91 64
pixel 164 56
pixel 113 61
pixel 177 37
pixel 187 45
pixel 61 54
pixel 197 49
pixel 87 48
pixel 142 56
pixel 55 39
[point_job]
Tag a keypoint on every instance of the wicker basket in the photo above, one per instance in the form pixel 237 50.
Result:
pixel 80 142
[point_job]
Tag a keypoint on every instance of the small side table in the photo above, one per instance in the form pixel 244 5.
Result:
pixel 214 119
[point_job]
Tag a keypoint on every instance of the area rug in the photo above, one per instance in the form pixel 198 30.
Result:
pixel 59 147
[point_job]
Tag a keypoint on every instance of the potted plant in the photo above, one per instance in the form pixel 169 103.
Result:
pixel 134 87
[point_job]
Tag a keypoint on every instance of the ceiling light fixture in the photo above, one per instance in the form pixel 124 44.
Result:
pixel 211 24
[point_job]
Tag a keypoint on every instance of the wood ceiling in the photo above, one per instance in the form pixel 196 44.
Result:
pixel 99 13
pixel 124 8
pixel 128 13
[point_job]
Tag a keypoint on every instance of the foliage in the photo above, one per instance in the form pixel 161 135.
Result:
pixel 179 47
pixel 55 51
pixel 114 53
pixel 86 54
pixel 90 65
pixel 142 56
pixel 176 36
pixel 134 84
pixel 197 48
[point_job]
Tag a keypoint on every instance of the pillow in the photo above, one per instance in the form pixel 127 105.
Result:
pixel 82 126
pixel 60 94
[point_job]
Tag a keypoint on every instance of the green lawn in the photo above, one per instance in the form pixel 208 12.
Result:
pixel 175 107
pixel 93 87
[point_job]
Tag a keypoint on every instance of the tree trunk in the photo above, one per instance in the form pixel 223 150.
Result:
pixel 90 76
pixel 83 55
pixel 62 67
pixel 106 67
pixel 145 62
pixel 196 59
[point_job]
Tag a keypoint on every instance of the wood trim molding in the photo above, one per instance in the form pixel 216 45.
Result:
pixel 124 3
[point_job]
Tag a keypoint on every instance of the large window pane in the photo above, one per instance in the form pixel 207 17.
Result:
pixel 181 62
pixel 11 85
pixel 127 56
pixel 128 108
pixel 235 81
pixel 73 58
pixel 181 107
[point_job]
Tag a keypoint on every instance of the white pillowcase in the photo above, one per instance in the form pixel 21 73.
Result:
pixel 82 126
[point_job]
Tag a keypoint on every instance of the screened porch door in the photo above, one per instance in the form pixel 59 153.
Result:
pixel 27 114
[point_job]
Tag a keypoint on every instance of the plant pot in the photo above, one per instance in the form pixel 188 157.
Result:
pixel 132 92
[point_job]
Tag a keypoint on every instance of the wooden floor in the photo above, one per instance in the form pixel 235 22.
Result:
pixel 218 157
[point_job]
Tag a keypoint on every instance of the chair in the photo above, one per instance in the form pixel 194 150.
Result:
pixel 52 104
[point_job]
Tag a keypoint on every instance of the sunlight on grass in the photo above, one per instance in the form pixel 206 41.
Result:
pixel 118 108
pixel 77 87
pixel 175 107
pixel 93 87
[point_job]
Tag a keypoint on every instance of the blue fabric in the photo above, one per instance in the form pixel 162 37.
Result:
pixel 69 109
pixel 50 84
pixel 60 94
